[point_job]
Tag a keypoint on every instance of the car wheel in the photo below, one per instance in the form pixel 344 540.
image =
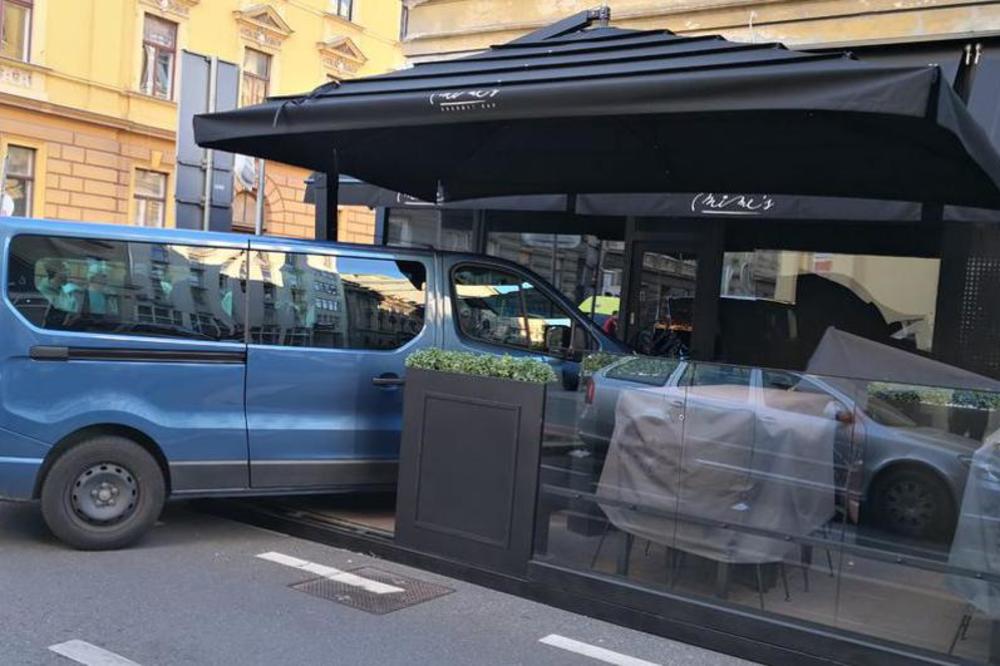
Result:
pixel 914 503
pixel 102 494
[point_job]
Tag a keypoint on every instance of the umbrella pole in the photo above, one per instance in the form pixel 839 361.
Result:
pixel 326 226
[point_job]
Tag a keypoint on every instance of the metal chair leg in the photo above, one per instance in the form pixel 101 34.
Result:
pixel 960 632
pixel 676 557
pixel 722 573
pixel 624 553
pixel 760 585
pixel 806 558
pixel 600 544
pixel 784 580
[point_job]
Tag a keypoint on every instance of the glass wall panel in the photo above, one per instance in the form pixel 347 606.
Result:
pixel 922 561
pixel 866 507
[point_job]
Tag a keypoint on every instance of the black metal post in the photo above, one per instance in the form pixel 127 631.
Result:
pixel 326 226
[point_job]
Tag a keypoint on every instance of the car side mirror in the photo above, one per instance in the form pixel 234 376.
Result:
pixel 557 339
pixel 844 416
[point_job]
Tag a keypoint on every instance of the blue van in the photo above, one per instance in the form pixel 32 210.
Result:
pixel 141 364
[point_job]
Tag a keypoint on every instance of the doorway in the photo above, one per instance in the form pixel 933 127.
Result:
pixel 660 309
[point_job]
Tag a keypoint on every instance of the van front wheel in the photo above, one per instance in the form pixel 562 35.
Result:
pixel 102 494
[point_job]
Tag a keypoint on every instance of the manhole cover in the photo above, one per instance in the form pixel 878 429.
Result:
pixel 414 591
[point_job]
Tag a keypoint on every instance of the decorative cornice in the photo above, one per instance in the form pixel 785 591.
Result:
pixel 341 56
pixel 262 25
pixel 61 111
pixel 178 8
pixel 19 73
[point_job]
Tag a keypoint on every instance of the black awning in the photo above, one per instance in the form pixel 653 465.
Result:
pixel 603 110
pixel 354 192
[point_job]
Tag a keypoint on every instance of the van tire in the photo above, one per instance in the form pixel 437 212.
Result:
pixel 103 493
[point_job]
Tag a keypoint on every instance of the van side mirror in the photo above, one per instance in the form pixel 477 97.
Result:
pixel 557 339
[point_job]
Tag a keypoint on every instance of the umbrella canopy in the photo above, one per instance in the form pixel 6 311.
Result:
pixel 599 109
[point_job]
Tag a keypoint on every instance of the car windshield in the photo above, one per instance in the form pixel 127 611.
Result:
pixel 882 412
pixel 644 370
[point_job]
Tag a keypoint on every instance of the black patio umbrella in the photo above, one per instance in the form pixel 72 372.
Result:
pixel 580 109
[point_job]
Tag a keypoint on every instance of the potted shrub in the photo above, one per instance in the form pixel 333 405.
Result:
pixel 468 467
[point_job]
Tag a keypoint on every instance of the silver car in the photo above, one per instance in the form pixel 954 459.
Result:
pixel 903 477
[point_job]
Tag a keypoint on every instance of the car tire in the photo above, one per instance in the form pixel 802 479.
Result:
pixel 102 494
pixel 913 503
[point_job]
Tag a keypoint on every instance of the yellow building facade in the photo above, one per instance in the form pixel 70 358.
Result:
pixel 89 90
pixel 456 26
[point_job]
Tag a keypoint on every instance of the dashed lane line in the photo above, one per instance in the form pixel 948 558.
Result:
pixel 592 651
pixel 88 654
pixel 324 571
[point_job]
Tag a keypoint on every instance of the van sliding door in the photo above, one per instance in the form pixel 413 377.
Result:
pixel 329 334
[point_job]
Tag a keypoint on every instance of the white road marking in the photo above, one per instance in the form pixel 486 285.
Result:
pixel 594 652
pixel 83 652
pixel 333 574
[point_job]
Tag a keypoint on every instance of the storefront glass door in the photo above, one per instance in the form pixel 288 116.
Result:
pixel 662 300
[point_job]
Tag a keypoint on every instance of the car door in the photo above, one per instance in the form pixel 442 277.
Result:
pixel 329 332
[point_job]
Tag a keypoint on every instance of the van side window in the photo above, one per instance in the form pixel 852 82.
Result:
pixel 498 307
pixel 130 288
pixel 313 300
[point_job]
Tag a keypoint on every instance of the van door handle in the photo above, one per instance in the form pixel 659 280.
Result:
pixel 388 380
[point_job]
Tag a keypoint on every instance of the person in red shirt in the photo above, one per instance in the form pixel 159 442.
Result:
pixel 611 324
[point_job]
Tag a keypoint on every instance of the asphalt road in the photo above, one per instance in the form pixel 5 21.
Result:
pixel 196 592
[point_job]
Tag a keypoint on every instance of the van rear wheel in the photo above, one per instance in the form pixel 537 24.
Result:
pixel 103 493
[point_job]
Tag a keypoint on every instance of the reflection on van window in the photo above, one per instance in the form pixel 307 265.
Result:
pixel 106 286
pixel 310 300
pixel 498 307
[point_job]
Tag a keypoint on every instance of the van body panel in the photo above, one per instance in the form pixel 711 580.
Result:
pixel 20 460
pixel 250 415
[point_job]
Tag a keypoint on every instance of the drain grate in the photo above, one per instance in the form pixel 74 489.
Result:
pixel 415 591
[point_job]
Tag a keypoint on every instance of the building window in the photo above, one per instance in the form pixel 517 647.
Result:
pixel 344 8
pixel 404 23
pixel 15 28
pixel 245 212
pixel 159 50
pixel 20 182
pixel 150 198
pixel 256 77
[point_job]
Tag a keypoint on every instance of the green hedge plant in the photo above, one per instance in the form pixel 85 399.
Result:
pixel 482 365
pixel 594 362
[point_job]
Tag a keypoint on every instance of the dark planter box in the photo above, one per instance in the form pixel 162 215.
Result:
pixel 468 468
